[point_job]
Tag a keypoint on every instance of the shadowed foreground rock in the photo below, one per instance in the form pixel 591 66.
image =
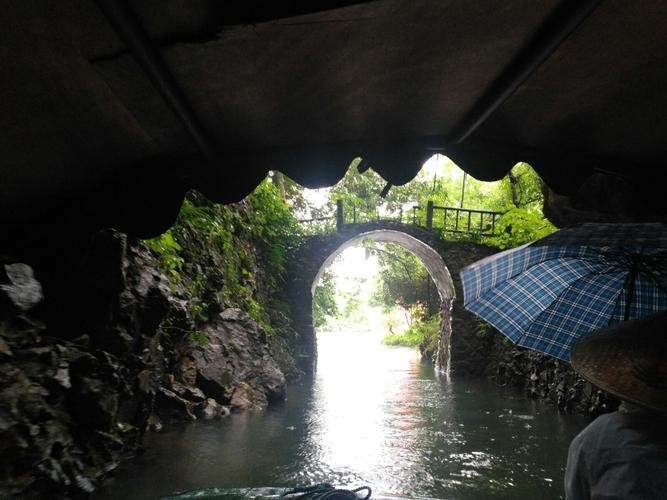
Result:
pixel 94 366
pixel 544 377
pixel 235 365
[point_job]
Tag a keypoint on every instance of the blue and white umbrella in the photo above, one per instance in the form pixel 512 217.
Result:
pixel 546 294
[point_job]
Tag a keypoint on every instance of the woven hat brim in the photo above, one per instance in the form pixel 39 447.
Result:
pixel 628 360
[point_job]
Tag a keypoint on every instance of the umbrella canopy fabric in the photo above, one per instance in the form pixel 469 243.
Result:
pixel 545 294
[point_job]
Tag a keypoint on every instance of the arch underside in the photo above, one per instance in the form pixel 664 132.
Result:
pixel 433 262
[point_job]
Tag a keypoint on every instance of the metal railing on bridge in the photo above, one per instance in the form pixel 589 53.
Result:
pixel 458 220
pixel 444 219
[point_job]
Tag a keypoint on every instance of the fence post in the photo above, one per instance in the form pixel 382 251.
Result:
pixel 429 214
pixel 340 215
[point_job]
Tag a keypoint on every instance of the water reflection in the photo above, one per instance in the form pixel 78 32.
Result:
pixel 363 420
pixel 376 416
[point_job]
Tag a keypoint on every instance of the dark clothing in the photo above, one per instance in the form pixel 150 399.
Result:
pixel 619 456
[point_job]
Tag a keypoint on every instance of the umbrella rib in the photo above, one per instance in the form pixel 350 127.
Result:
pixel 573 284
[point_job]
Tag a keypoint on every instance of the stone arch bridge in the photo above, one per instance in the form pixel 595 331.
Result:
pixel 442 258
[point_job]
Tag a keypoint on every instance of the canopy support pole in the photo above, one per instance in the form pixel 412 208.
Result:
pixel 126 25
pixel 565 18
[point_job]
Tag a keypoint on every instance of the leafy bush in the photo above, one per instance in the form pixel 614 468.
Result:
pixel 166 249
pixel 520 225
pixel 423 335
pixel 272 225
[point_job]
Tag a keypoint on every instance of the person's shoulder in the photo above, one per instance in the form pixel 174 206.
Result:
pixel 606 419
pixel 601 426
pixel 610 418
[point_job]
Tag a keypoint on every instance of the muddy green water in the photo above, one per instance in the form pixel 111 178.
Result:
pixel 372 415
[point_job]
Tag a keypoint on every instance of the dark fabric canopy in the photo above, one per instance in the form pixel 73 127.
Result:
pixel 112 110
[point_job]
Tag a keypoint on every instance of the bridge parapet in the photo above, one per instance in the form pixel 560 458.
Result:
pixel 440 219
pixel 457 220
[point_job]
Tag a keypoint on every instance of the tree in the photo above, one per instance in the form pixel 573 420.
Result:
pixel 404 281
pixel 522 201
pixel 362 202
pixel 324 300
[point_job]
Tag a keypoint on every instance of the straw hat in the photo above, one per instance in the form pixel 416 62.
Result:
pixel 628 360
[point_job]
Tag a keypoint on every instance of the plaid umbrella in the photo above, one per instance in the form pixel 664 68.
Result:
pixel 547 293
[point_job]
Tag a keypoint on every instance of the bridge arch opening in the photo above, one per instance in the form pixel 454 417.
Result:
pixel 434 265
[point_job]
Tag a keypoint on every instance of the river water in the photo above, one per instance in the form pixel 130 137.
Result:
pixel 372 415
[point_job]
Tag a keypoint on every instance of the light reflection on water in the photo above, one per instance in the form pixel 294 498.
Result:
pixel 375 416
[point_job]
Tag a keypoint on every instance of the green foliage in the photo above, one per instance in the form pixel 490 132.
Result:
pixel 360 193
pixel 219 256
pixel 522 187
pixel 410 338
pixel 254 310
pixel 404 280
pixel 292 193
pixel 523 220
pixel 423 335
pixel 352 309
pixel 482 328
pixel 191 334
pixel 239 251
pixel 518 195
pixel 431 333
pixel 201 221
pixel 272 225
pixel 520 225
pixel 199 337
pixel 166 249
pixel 324 300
